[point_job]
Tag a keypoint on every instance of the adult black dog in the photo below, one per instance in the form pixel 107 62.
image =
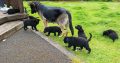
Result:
pixel 13 11
pixel 53 29
pixel 111 34
pixel 54 14
pixel 31 22
pixel 80 31
pixel 78 42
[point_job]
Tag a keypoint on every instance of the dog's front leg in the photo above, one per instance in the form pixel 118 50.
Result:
pixel 69 45
pixel 45 23
pixel 59 33
pixel 48 34
pixel 74 48
pixel 25 28
pixel 35 28
pixel 32 28
pixel 54 33
pixel 88 48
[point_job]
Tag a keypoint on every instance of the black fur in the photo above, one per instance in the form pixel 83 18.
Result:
pixel 33 8
pixel 31 17
pixel 80 31
pixel 31 22
pixel 53 29
pixel 78 42
pixel 111 34
pixel 13 11
pixel 51 13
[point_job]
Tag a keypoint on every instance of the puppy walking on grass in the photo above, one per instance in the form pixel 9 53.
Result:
pixel 111 34
pixel 78 42
pixel 80 31
pixel 53 29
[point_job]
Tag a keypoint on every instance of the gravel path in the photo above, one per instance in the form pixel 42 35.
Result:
pixel 27 47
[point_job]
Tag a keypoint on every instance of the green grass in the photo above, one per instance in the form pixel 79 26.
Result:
pixel 95 17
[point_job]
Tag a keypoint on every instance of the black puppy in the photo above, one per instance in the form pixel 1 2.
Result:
pixel 53 29
pixel 13 11
pixel 111 34
pixel 31 22
pixel 78 42
pixel 80 31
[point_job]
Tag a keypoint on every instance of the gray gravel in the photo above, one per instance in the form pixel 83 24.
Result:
pixel 27 47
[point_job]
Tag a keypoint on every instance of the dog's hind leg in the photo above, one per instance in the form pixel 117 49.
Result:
pixel 62 21
pixel 25 28
pixel 66 26
pixel 88 48
pixel 62 29
pixel 113 40
pixel 74 48
pixel 48 34
pixel 81 48
pixel 45 23
pixel 54 33
pixel 35 28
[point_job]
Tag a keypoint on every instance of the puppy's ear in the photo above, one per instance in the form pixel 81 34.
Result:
pixel 65 40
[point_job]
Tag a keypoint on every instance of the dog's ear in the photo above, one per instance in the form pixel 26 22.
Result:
pixel 33 7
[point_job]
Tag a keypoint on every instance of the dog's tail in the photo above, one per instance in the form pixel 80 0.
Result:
pixel 90 37
pixel 70 23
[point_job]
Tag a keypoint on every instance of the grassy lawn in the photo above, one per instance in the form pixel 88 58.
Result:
pixel 95 17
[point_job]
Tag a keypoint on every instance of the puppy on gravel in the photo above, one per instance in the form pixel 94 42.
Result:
pixel 31 22
pixel 52 29
pixel 78 42
pixel 80 31
pixel 111 34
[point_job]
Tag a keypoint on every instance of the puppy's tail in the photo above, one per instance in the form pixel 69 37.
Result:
pixel 90 37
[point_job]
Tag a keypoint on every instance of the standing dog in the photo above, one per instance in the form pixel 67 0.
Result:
pixel 31 22
pixel 78 42
pixel 54 14
pixel 111 34
pixel 53 29
pixel 80 31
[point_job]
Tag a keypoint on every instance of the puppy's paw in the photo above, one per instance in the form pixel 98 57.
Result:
pixel 47 35
pixel 60 36
pixel 66 46
pixel 74 50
